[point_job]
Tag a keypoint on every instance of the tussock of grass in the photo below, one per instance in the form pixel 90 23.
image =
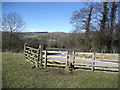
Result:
pixel 17 73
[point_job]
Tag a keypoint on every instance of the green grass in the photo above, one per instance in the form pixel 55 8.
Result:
pixel 17 73
pixel 34 36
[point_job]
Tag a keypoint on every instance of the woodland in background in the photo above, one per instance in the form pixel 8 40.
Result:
pixel 96 28
pixel 100 23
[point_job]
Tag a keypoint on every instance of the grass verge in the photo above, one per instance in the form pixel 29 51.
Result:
pixel 17 73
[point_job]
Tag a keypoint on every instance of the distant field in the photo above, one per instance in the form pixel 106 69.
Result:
pixel 34 36
pixel 18 73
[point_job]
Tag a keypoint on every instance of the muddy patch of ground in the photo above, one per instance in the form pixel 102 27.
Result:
pixel 60 71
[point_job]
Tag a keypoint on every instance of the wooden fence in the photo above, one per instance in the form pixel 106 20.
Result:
pixel 102 61
pixel 71 60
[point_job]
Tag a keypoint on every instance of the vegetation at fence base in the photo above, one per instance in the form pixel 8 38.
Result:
pixel 18 74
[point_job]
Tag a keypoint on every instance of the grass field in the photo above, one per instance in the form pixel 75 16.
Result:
pixel 18 73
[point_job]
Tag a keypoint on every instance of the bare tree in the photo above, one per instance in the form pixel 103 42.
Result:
pixel 82 20
pixel 12 22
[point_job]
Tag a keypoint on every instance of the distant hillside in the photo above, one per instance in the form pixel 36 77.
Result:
pixel 38 32
pixel 57 32
pixel 34 32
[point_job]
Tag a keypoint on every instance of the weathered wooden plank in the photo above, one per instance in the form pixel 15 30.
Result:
pixel 83 53
pixel 55 64
pixel 56 51
pixel 108 60
pixel 53 56
pixel 83 58
pixel 57 61
pixel 27 51
pixel 83 62
pixel 31 48
pixel 81 66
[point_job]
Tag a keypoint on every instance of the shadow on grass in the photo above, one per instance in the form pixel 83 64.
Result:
pixel 106 70
pixel 57 65
pixel 85 68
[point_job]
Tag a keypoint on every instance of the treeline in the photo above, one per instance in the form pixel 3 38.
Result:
pixel 100 23
pixel 62 41
pixel 17 41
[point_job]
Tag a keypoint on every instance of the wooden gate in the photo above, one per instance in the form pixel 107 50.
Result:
pixel 33 55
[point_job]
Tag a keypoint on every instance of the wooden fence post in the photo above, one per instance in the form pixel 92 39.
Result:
pixel 73 59
pixel 67 60
pixel 93 58
pixel 25 50
pixel 40 55
pixel 45 59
